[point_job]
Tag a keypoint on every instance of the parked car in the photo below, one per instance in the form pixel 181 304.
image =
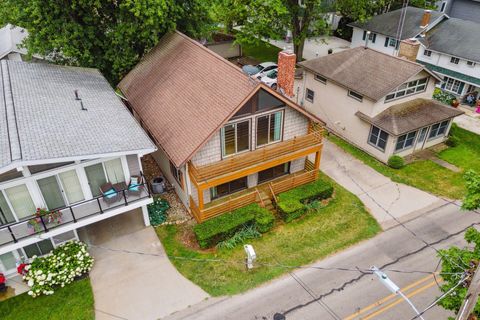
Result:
pixel 259 70
pixel 270 78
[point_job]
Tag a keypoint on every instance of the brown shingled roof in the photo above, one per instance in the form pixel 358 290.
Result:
pixel 183 92
pixel 411 115
pixel 369 72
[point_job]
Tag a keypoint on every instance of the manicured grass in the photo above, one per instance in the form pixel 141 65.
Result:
pixel 422 174
pixel 466 154
pixel 74 301
pixel 262 51
pixel 343 222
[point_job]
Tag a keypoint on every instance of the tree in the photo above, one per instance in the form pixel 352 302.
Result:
pixel 472 199
pixel 272 18
pixel 110 35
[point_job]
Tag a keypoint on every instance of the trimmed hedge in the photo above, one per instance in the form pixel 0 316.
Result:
pixel 291 203
pixel 396 162
pixel 220 228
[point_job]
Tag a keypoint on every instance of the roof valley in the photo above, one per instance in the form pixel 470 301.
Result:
pixel 12 128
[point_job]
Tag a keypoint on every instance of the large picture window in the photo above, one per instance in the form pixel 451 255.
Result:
pixel 228 188
pixel 438 129
pixel 235 137
pixel 269 128
pixel 378 138
pixel 274 172
pixel 405 141
pixel 408 89
pixel 453 85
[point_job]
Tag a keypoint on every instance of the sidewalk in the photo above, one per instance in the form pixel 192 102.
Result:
pixel 376 191
pixel 469 121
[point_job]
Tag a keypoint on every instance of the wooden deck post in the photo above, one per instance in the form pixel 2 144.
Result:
pixel 317 161
pixel 200 198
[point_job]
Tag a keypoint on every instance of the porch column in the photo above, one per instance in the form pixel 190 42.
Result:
pixel 146 219
pixel 200 198
pixel 317 160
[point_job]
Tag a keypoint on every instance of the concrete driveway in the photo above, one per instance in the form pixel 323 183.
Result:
pixel 138 286
pixel 317 46
pixel 377 192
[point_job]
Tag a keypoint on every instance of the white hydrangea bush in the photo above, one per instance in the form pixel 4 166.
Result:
pixel 58 269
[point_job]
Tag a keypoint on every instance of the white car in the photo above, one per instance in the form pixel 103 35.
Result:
pixel 259 70
pixel 270 79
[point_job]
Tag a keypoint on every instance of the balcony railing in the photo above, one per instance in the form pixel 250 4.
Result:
pixel 16 231
pixel 267 153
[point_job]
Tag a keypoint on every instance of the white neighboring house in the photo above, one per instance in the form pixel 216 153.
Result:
pixel 11 38
pixel 64 134
pixel 445 45
pixel 378 102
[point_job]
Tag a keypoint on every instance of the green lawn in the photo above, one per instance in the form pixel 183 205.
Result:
pixel 343 222
pixel 74 301
pixel 425 174
pixel 262 51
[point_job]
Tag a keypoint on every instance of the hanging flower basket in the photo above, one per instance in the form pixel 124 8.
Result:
pixel 49 217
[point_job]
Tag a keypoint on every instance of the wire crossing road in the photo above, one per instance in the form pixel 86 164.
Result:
pixel 354 295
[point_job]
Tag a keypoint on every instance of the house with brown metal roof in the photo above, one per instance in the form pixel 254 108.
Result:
pixel 225 140
pixel 380 103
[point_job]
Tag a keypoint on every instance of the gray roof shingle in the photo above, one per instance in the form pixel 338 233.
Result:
pixel 45 122
pixel 387 23
pixel 411 115
pixel 456 37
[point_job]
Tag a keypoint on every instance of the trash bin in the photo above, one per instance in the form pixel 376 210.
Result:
pixel 158 185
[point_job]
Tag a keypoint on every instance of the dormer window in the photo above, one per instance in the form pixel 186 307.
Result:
pixel 454 60
pixel 427 53
pixel 471 63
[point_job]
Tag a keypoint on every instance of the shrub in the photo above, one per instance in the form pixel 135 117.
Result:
pixel 452 141
pixel 157 211
pixel 396 162
pixel 264 219
pixel 61 267
pixel 443 96
pixel 247 232
pixel 292 204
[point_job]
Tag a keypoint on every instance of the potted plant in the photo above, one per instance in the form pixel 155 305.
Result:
pixel 455 103
pixel 49 217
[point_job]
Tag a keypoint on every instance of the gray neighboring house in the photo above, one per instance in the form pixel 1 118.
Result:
pixel 461 9
pixel 67 145
pixel 11 38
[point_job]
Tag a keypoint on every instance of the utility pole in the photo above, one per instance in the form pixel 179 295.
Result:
pixel 466 310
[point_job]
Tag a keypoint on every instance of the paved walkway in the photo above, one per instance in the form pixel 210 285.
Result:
pixel 316 47
pixel 470 122
pixel 133 286
pixel 376 191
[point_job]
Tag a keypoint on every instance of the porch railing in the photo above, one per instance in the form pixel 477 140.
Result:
pixel 267 153
pixel 16 231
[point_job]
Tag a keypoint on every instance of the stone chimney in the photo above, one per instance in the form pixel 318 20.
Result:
pixel 286 72
pixel 409 49
pixel 425 19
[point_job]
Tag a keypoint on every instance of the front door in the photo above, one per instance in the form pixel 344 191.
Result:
pixel 8 262
pixel 422 135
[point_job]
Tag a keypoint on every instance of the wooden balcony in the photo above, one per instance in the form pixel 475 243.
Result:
pixel 252 195
pixel 254 161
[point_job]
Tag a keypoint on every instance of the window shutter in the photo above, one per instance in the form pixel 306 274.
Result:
pixel 364 34
pixel 374 37
pixel 386 41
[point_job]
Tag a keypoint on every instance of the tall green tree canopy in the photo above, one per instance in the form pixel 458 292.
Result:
pixel 111 35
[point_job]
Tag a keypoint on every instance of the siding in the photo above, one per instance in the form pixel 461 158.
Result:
pixel 133 164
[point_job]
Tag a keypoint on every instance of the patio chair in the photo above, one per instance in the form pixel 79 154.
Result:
pixel 110 195
pixel 136 185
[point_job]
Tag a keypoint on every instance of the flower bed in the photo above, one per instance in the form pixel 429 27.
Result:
pixel 61 267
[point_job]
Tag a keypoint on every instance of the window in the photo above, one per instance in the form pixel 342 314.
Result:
pixel 443 7
pixel 114 171
pixel 355 95
pixel 6 215
pixel 438 129
pixel 408 89
pixel 274 172
pixel 372 37
pixel 228 188
pixel 364 34
pixel 320 79
pixel 235 137
pixel 427 53
pixel 310 95
pixel 96 178
pixel 269 128
pixel 392 42
pixel 405 141
pixel 454 60
pixel 21 201
pixel 39 249
pixel 471 63
pixel 378 138
pixel 177 174
pixel 453 85
pixel 262 101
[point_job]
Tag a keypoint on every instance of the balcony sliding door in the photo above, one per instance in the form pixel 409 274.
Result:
pixel 71 186
pixel 51 192
pixel 6 215
pixel 269 128
pixel 96 178
pixel 235 137
pixel 21 201
pixel 114 171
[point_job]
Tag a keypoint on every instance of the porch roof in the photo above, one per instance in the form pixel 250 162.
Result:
pixel 411 115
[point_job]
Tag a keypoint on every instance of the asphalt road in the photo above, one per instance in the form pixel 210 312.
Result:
pixel 310 293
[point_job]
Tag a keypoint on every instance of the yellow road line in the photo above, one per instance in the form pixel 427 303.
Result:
pixel 379 302
pixel 393 304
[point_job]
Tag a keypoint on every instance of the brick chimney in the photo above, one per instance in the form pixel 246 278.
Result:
pixel 409 49
pixel 425 19
pixel 286 72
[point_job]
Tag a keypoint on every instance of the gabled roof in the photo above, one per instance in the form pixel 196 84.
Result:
pixel 42 122
pixel 184 93
pixel 456 37
pixel 387 23
pixel 366 71
pixel 11 38
pixel 411 115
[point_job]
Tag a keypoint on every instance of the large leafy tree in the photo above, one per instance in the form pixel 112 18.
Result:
pixel 111 35
pixel 259 19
